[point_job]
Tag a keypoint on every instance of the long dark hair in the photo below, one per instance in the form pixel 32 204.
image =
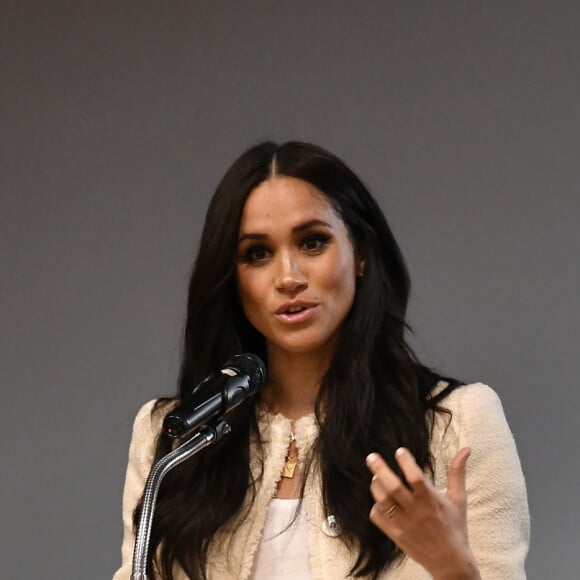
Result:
pixel 375 383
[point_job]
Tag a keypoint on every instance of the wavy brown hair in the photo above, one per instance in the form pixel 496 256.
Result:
pixel 376 395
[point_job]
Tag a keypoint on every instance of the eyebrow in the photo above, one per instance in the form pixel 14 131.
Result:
pixel 295 230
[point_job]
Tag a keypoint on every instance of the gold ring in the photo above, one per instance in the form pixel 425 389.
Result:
pixel 391 511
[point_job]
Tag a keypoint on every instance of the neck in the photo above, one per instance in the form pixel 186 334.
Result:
pixel 293 382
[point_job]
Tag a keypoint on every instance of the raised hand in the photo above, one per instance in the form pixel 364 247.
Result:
pixel 429 526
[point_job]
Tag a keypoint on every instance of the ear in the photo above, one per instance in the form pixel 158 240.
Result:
pixel 360 268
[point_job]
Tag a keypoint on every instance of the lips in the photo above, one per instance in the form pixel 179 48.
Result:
pixel 296 312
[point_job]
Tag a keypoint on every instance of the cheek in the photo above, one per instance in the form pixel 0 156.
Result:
pixel 339 279
pixel 250 290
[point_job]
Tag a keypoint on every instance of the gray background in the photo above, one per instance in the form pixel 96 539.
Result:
pixel 118 119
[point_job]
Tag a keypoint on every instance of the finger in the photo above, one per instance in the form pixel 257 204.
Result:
pixel 389 480
pixel 385 505
pixel 386 516
pixel 378 491
pixel 413 473
pixel 456 480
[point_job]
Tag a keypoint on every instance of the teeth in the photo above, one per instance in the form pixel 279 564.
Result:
pixel 294 309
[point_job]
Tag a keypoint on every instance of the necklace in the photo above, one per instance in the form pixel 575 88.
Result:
pixel 291 459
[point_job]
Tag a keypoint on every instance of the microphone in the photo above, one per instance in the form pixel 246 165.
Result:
pixel 217 394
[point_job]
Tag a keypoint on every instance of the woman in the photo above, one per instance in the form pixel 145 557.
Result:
pixel 298 265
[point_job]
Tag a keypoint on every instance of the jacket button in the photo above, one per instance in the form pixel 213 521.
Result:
pixel 331 527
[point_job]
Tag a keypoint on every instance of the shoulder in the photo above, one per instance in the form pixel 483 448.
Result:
pixel 476 411
pixel 148 419
pixel 473 416
pixel 476 419
pixel 148 416
pixel 146 428
pixel 470 396
pixel 475 403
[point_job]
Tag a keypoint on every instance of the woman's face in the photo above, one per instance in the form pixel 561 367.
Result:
pixel 296 266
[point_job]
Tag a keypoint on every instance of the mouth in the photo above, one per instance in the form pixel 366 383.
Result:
pixel 295 313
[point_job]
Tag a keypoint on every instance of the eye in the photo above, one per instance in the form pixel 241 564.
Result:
pixel 315 243
pixel 255 255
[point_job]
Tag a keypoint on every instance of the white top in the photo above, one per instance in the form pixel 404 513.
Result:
pixel 283 550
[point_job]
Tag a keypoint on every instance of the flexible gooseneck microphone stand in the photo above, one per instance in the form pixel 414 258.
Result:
pixel 204 437
pixel 240 379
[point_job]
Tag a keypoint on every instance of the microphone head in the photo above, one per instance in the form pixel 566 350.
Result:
pixel 251 365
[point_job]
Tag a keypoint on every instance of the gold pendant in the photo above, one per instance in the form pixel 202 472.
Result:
pixel 288 469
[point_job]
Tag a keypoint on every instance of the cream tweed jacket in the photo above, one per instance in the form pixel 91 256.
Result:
pixel 498 519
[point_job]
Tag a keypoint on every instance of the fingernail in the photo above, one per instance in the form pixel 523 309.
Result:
pixel 372 457
pixel 400 451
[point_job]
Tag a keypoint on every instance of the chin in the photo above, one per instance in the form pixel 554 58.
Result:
pixel 303 344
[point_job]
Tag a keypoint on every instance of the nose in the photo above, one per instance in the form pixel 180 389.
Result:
pixel 290 278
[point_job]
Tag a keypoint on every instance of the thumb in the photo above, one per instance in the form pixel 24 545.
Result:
pixel 456 481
